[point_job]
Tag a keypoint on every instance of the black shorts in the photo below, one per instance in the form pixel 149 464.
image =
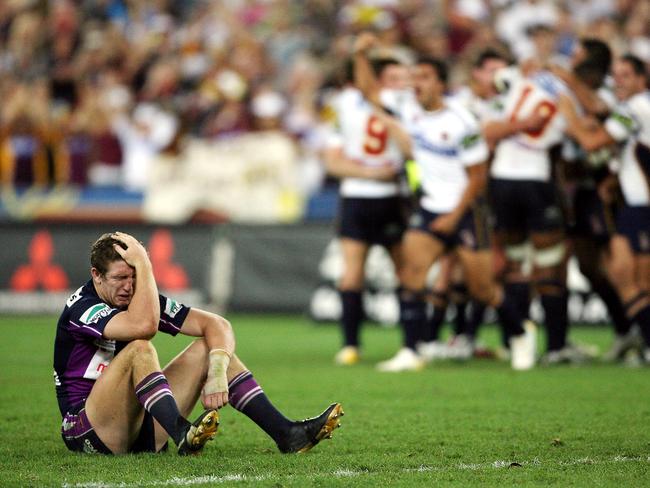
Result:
pixel 591 217
pixel 372 220
pixel 472 231
pixel 80 436
pixel 634 224
pixel 525 206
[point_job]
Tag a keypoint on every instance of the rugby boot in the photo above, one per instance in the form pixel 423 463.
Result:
pixel 305 434
pixel 405 360
pixel 347 356
pixel 201 431
pixel 523 348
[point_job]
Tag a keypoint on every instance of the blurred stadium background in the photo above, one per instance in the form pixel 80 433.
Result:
pixel 196 125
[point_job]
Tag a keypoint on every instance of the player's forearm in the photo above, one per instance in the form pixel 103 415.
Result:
pixel 218 334
pixel 144 308
pixel 496 130
pixel 588 98
pixel 589 138
pixel 398 134
pixel 475 187
pixel 364 78
pixel 339 166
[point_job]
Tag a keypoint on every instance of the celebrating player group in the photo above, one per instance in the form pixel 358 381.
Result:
pixel 524 166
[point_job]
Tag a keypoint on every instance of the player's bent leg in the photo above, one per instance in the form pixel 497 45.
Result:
pixel 186 374
pixel 624 276
pixel 480 280
pixel 248 397
pixel 549 272
pixel 621 267
pixel 420 251
pixel 131 385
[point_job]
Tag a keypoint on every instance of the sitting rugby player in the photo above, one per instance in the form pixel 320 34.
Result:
pixel 112 393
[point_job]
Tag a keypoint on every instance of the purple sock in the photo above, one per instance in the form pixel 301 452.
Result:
pixel 248 397
pixel 156 397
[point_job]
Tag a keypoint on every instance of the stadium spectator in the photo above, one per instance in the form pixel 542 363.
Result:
pixel 109 384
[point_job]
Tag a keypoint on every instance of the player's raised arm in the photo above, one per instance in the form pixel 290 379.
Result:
pixel 364 76
pixel 220 340
pixel 142 314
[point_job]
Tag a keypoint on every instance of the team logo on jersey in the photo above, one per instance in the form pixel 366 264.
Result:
pixel 624 120
pixel 470 140
pixel 172 307
pixel 95 313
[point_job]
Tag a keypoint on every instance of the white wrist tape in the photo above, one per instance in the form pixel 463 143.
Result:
pixel 217 380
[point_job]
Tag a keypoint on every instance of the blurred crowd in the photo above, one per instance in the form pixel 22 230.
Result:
pixel 93 90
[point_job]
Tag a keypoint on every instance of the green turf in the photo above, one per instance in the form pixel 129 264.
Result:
pixel 451 425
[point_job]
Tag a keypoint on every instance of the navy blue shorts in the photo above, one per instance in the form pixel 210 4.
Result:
pixel 591 217
pixel 372 220
pixel 472 231
pixel 80 436
pixel 634 224
pixel 525 206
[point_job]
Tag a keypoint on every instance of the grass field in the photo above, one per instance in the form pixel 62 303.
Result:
pixel 451 425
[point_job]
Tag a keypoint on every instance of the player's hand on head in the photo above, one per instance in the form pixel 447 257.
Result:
pixel 135 253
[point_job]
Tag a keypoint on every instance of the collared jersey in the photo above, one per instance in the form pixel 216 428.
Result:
pixel 630 124
pixel 364 139
pixel 445 143
pixel 525 155
pixel 82 353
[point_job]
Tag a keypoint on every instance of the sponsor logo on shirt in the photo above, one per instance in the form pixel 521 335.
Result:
pixel 95 313
pixel 172 307
pixel 74 297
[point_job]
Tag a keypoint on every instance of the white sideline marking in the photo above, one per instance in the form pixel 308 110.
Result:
pixel 344 472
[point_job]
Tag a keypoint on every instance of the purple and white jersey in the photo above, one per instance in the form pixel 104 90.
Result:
pixel 82 353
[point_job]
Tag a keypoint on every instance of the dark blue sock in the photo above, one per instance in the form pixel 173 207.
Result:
pixel 412 308
pixel 556 319
pixel 608 295
pixel 352 316
pixel 510 316
pixel 431 330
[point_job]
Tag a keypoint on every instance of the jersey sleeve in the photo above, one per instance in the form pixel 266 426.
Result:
pixel 621 125
pixel 472 148
pixel 88 317
pixel 172 315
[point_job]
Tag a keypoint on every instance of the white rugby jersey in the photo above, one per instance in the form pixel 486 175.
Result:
pixel 630 123
pixel 365 139
pixel 445 142
pixel 525 155
pixel 484 109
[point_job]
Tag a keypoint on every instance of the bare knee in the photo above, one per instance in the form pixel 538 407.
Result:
pixel 140 348
pixel 484 292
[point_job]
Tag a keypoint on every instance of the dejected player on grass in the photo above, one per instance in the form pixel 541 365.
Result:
pixel 112 393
